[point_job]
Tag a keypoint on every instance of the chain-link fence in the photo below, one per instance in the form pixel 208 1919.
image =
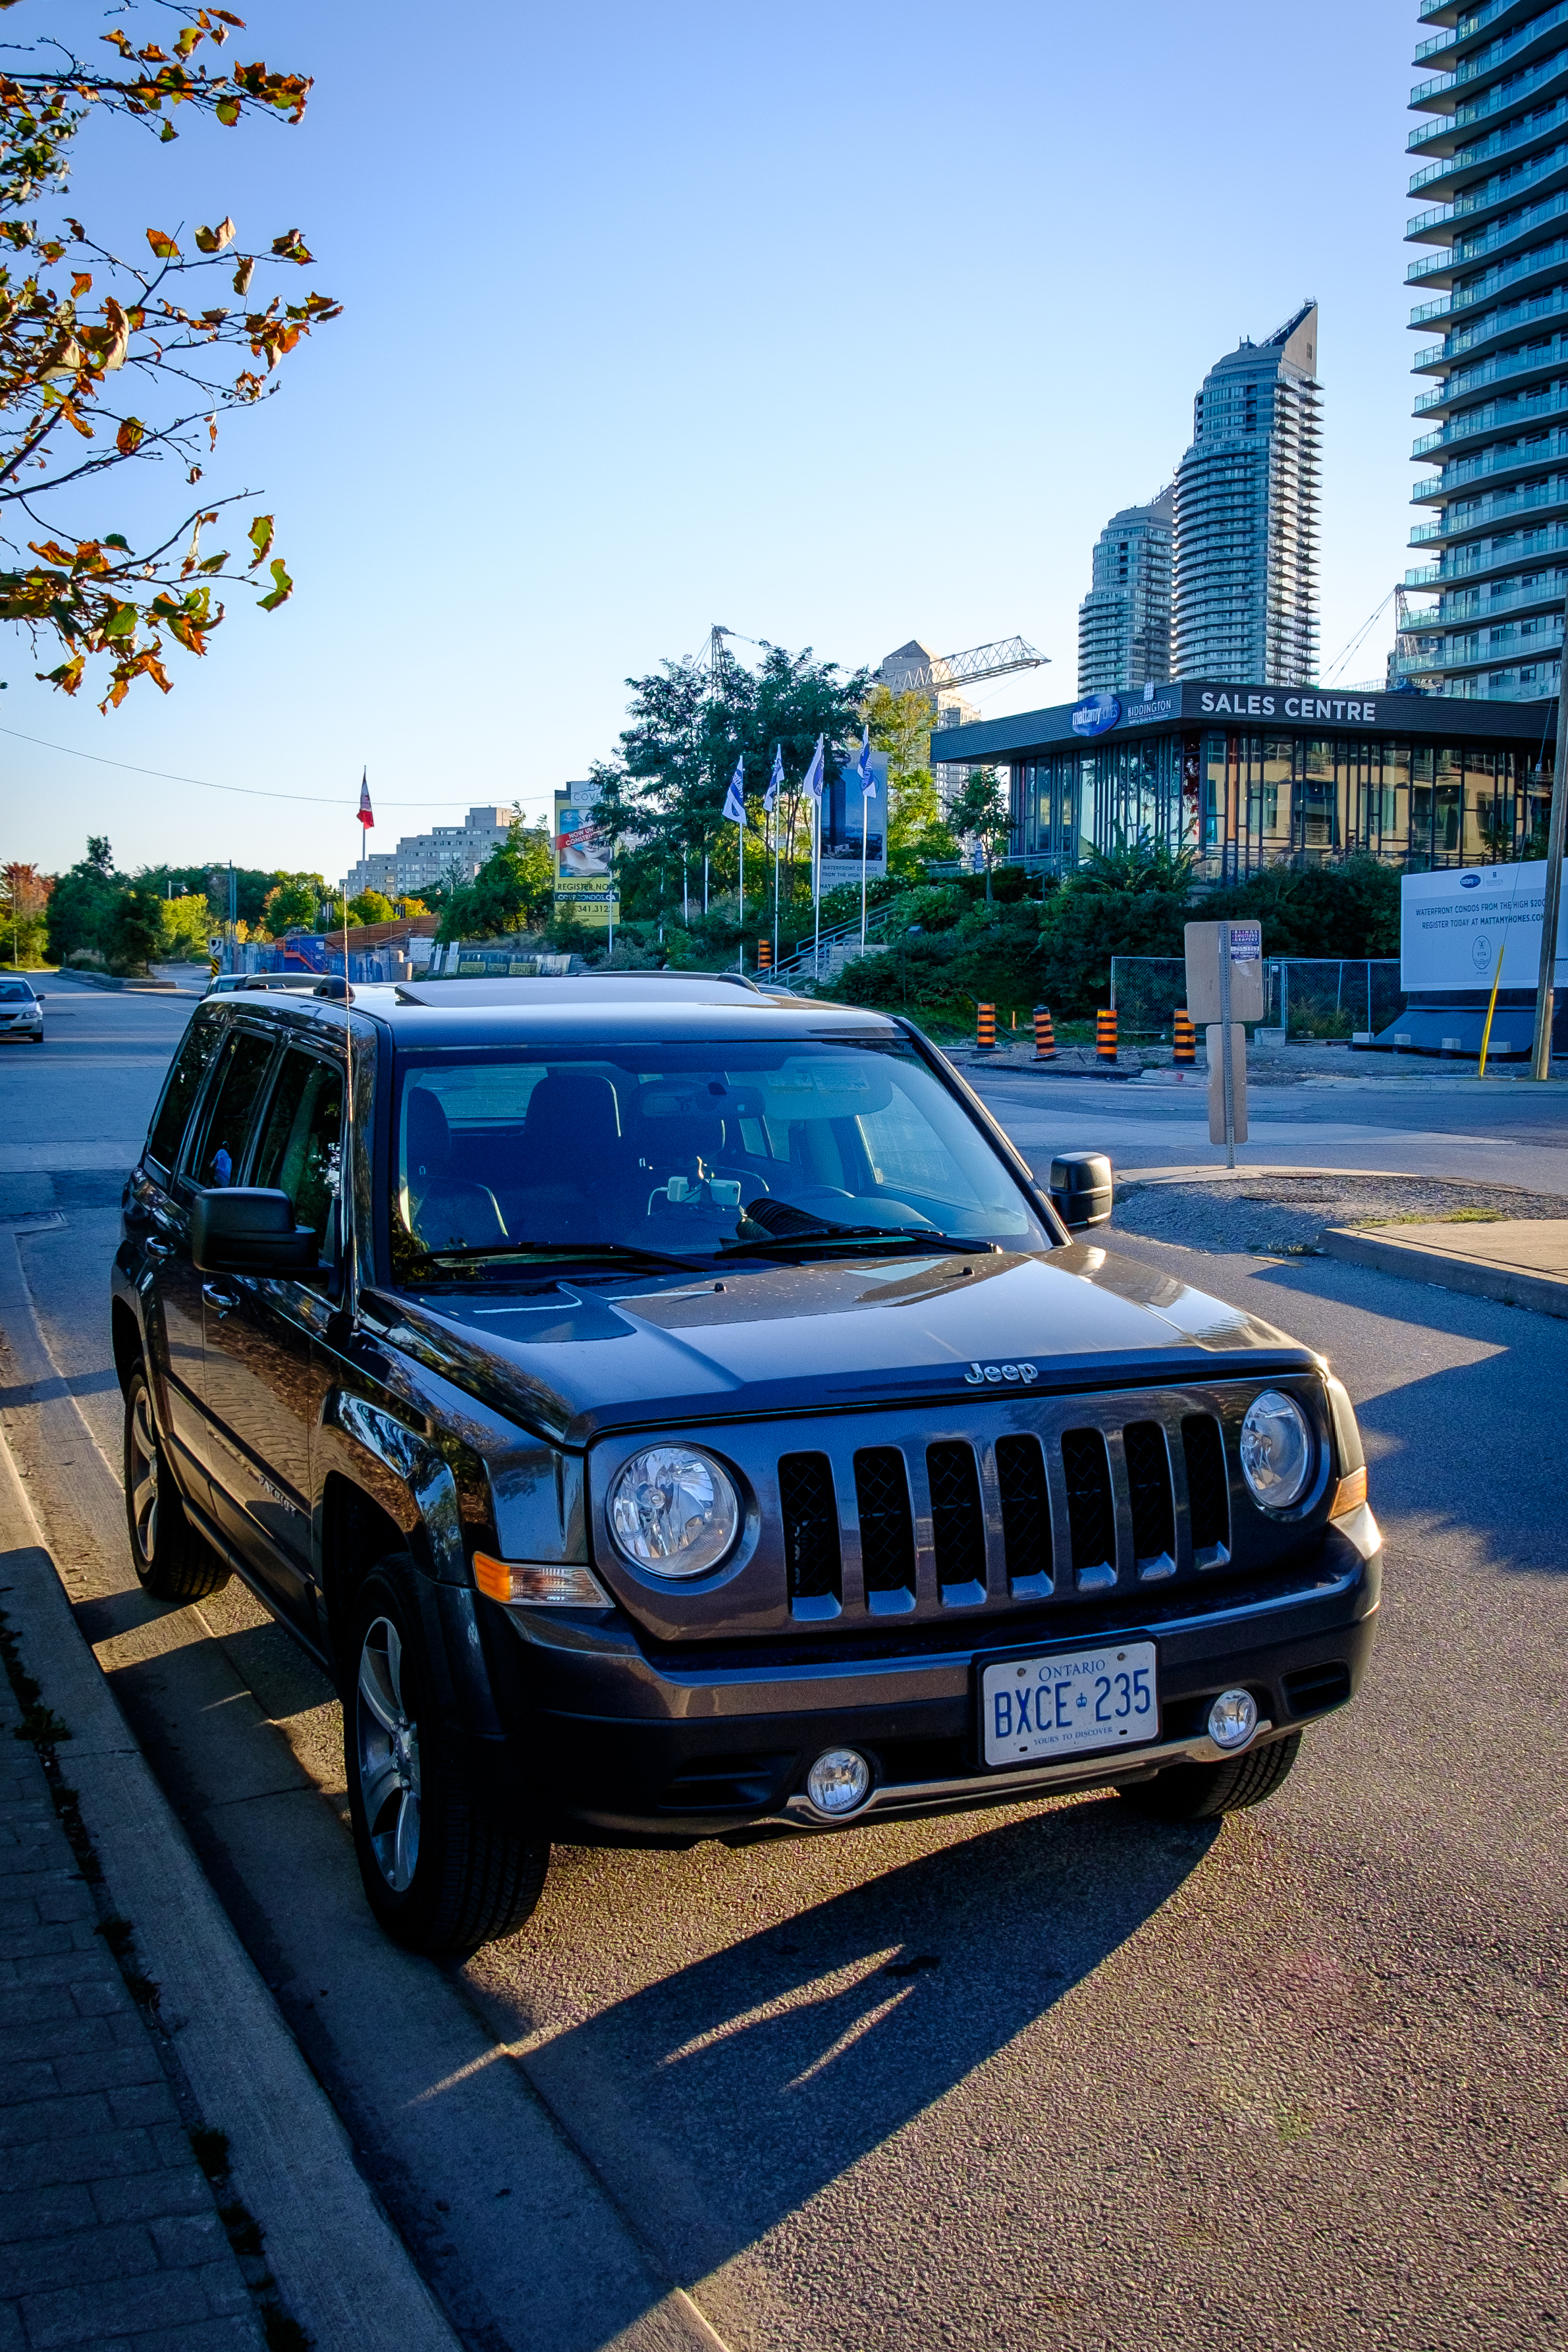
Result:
pixel 1304 996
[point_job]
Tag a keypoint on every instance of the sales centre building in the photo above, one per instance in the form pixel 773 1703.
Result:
pixel 1246 775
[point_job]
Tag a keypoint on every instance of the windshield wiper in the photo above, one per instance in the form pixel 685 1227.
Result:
pixel 623 1252
pixel 918 1238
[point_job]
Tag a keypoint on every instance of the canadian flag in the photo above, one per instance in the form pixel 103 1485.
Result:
pixel 367 816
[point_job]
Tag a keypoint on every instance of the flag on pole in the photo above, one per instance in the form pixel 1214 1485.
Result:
pixel 813 777
pixel 864 768
pixel 775 781
pixel 367 817
pixel 735 800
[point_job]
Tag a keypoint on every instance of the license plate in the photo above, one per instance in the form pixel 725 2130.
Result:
pixel 1035 1709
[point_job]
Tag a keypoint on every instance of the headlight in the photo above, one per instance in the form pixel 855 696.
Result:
pixel 1276 1450
pixel 673 1511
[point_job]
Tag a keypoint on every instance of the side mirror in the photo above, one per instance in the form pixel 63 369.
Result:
pixel 1081 1189
pixel 248 1229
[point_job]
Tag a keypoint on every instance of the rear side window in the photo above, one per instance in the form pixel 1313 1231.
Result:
pixel 225 1128
pixel 302 1142
pixel 181 1088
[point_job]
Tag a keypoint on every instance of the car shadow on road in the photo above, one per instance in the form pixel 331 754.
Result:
pixel 721 2098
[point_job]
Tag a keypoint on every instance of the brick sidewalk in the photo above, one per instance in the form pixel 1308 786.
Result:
pixel 109 2234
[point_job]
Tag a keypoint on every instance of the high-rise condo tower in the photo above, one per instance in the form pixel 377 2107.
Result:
pixel 1246 515
pixel 1124 622
pixel 1492 151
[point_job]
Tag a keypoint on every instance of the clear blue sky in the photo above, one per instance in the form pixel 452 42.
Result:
pixel 839 324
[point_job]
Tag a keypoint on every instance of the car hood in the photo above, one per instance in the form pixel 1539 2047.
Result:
pixel 573 1359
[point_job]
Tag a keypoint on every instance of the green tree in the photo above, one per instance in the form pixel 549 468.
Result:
pixel 663 795
pixel 293 903
pixel 981 814
pixel 24 896
pixel 372 907
pixel 107 360
pixel 133 932
pixel 81 902
pixel 901 726
pixel 513 889
pixel 186 928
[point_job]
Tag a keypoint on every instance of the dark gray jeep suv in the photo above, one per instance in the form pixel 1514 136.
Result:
pixel 670 1410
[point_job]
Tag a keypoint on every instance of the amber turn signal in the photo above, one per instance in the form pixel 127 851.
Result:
pixel 534 1582
pixel 1351 1493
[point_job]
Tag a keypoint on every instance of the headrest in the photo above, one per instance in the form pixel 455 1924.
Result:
pixel 427 1137
pixel 572 1112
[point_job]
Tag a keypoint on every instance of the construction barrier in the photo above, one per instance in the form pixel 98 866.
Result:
pixel 985 1028
pixel 764 955
pixel 1106 1036
pixel 1044 1034
pixel 1186 1036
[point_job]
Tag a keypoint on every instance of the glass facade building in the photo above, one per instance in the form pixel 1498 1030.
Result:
pixel 1245 777
pixel 1246 515
pixel 1124 622
pixel 1491 151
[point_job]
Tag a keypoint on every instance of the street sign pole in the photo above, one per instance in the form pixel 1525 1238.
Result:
pixel 1545 1004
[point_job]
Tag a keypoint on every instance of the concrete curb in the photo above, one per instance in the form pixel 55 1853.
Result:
pixel 1544 1294
pixel 1208 1173
pixel 341 2269
pixel 107 980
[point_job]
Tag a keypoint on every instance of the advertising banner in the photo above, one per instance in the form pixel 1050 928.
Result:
pixel 843 808
pixel 1454 926
pixel 584 886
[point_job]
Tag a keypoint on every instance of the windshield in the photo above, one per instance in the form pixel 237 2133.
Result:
pixel 15 991
pixel 688 1152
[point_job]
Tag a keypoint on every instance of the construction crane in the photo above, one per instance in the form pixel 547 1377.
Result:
pixel 999 659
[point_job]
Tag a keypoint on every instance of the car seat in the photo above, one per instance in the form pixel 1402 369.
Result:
pixel 572 1159
pixel 445 1211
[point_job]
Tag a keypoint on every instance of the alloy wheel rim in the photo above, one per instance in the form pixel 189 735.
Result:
pixel 143 1477
pixel 388 1743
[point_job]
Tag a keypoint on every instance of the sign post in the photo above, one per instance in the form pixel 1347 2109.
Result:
pixel 1225 990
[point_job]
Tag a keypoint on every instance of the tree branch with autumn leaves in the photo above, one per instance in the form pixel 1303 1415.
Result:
pixel 107 359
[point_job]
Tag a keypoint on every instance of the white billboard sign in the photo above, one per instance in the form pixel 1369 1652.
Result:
pixel 1454 926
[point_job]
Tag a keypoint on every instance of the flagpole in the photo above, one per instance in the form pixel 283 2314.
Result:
pixel 865 819
pixel 741 846
pixel 817 882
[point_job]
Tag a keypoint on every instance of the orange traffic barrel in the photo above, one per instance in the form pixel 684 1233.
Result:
pixel 1106 1036
pixel 1186 1036
pixel 1044 1034
pixel 985 1028
pixel 764 955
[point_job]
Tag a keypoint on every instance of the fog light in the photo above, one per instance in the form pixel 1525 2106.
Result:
pixel 1233 1719
pixel 839 1782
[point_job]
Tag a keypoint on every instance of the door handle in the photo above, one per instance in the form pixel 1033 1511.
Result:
pixel 220 1301
pixel 155 1248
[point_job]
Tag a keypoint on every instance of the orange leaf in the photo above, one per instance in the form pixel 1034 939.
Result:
pixel 162 244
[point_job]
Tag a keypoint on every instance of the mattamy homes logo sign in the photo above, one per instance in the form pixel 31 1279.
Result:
pixel 1096 713
pixel 1455 925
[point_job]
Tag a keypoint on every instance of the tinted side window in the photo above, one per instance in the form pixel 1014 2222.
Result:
pixel 220 1151
pixel 180 1090
pixel 300 1146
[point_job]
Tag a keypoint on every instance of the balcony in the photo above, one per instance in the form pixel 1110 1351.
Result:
pixel 1439 216
pixel 1495 417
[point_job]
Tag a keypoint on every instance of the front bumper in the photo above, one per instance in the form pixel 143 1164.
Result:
pixel 625 1743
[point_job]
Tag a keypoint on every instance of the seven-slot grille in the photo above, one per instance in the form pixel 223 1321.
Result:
pixel 1072 1510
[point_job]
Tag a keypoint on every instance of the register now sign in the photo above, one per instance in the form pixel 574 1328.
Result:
pixel 1453 927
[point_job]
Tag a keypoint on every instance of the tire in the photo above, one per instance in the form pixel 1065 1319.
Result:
pixel 441 1874
pixel 1197 1792
pixel 171 1560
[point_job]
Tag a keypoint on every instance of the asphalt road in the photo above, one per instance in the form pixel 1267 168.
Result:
pixel 1044 2075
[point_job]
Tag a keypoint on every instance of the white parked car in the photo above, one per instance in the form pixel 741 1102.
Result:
pixel 21 1009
